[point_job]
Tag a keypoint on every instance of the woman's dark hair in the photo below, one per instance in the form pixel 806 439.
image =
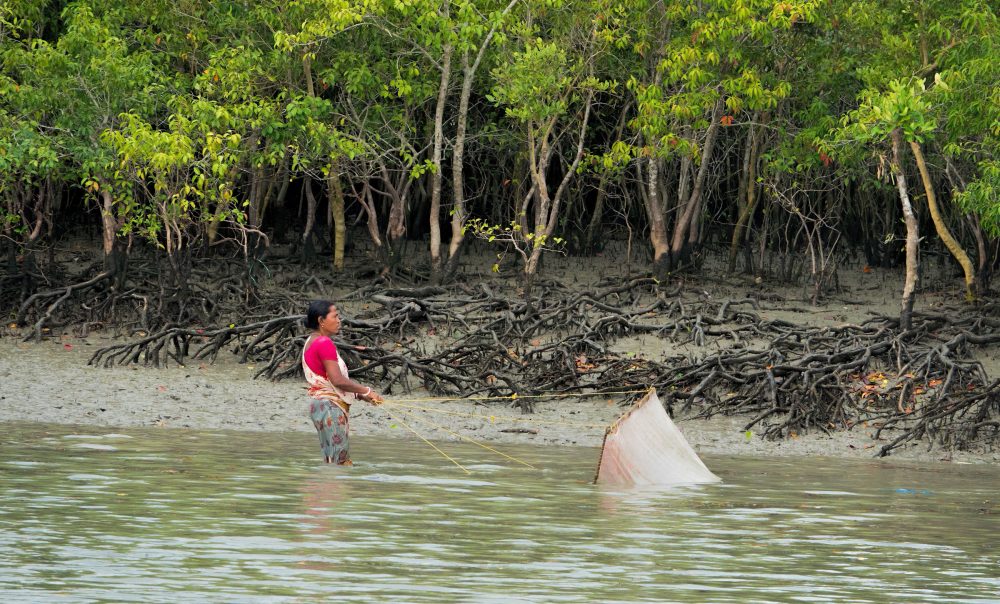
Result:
pixel 317 309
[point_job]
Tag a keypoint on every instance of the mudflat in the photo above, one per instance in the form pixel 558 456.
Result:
pixel 51 382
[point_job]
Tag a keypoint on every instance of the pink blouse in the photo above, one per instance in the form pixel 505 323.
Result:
pixel 322 348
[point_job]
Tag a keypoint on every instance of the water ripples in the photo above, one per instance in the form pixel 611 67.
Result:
pixel 238 517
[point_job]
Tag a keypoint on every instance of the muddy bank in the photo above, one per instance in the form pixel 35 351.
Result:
pixel 50 382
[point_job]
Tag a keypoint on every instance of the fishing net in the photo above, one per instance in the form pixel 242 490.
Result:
pixel 644 447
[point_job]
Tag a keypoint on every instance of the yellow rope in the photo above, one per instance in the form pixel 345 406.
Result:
pixel 433 446
pixel 515 396
pixel 495 418
pixel 492 418
pixel 466 438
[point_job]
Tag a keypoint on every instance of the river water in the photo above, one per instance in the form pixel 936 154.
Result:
pixel 168 515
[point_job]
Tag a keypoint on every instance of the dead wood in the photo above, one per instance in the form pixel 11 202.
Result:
pixel 921 383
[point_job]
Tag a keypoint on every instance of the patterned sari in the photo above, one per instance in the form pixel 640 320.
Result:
pixel 328 411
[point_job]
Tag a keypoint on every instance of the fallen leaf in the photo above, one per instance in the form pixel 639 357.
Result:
pixel 67 346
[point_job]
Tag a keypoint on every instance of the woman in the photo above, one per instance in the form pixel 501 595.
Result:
pixel 330 387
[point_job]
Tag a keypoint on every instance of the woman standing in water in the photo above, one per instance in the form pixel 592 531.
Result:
pixel 330 387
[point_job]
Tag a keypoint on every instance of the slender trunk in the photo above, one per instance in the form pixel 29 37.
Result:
pixel 983 258
pixel 367 202
pixel 109 227
pixel 677 247
pixel 396 223
pixel 655 203
pixel 594 224
pixel 748 197
pixel 260 188
pixel 657 220
pixel 307 72
pixel 457 169
pixel 912 233
pixel 310 217
pixel 30 266
pixel 436 177
pixel 683 183
pixel 602 190
pixel 272 188
pixel 336 199
pixel 279 198
pixel 458 152
pixel 115 258
pixel 942 229
pixel 983 264
pixel 694 231
pixel 548 216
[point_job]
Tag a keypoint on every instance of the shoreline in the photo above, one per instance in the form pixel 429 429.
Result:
pixel 50 383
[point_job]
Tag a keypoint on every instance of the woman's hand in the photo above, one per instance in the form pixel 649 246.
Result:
pixel 372 397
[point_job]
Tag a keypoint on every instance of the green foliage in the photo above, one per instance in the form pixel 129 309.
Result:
pixel 181 109
pixel 982 196
pixel 536 85
pixel 904 105
pixel 512 236
pixel 180 170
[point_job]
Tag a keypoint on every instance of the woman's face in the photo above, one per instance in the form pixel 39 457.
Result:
pixel 330 323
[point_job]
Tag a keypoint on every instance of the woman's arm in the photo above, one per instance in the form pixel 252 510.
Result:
pixel 346 384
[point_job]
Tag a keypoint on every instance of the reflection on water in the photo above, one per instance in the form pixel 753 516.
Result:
pixel 162 515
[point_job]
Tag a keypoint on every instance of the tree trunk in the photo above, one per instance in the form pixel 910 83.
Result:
pixel 282 178
pixel 367 202
pixel 594 225
pixel 310 217
pixel 748 197
pixel 396 223
pixel 942 229
pixel 590 235
pixel 912 232
pixel 458 169
pixel 115 258
pixel 548 212
pixel 437 263
pixel 336 199
pixel 458 152
pixel 984 267
pixel 657 220
pixel 678 249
